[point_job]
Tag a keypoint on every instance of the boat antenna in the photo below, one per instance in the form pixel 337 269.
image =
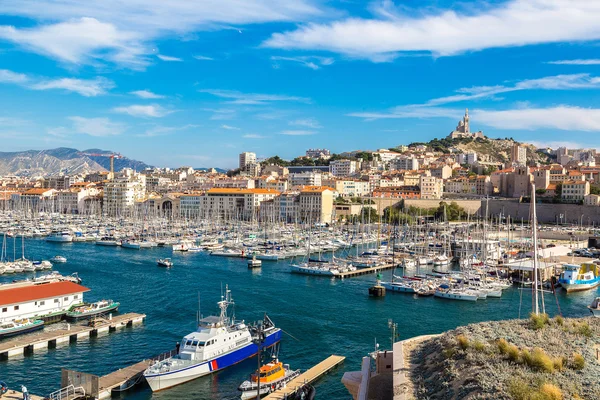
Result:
pixel 199 309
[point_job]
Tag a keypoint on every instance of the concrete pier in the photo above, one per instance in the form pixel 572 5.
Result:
pixel 49 339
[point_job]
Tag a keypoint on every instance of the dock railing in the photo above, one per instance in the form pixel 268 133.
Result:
pixel 67 393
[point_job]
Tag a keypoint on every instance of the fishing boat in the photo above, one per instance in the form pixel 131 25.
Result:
pixel 58 259
pixel 595 307
pixel 60 237
pixel 576 278
pixel 273 376
pixel 92 309
pixel 164 262
pixel 218 343
pixel 19 326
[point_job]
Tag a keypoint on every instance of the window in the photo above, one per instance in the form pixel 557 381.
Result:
pixel 16 308
pixel 66 298
pixel 4 309
pixel 42 303
pixel 76 296
pixel 57 300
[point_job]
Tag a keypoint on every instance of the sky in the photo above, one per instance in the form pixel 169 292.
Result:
pixel 196 82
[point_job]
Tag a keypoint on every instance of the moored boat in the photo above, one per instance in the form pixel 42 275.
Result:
pixel 595 307
pixel 273 376
pixel 19 327
pixel 575 278
pixel 60 237
pixel 58 259
pixel 218 343
pixel 92 309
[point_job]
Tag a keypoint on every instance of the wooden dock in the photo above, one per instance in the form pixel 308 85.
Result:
pixel 308 377
pixel 362 271
pixel 49 339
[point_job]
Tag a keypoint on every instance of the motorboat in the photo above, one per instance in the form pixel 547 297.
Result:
pixel 165 262
pixel 60 237
pixel 595 307
pixel 254 263
pixel 217 343
pixel 575 278
pixel 19 327
pixel 58 259
pixel 89 310
pixel 273 376
pixel 108 241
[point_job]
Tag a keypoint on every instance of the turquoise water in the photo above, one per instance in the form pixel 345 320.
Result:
pixel 326 316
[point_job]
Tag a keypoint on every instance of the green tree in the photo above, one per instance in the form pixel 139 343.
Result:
pixel 594 189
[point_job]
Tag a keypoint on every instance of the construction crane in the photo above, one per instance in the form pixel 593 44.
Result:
pixel 112 160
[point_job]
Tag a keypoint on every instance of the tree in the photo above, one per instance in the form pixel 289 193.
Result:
pixel 541 192
pixel 276 160
pixel 453 211
pixel 594 189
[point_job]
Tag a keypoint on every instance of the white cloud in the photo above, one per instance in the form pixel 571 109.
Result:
pixel 121 32
pixel 236 97
pixel 203 58
pixel 165 130
pixel 81 41
pixel 221 113
pixel 230 128
pixel 446 32
pixel 7 76
pixel 87 88
pixel 96 126
pixel 146 94
pixel 253 136
pixel 576 62
pixel 138 110
pixel 563 117
pixel 410 111
pixel 169 58
pixel 298 133
pixel 308 122
pixel 312 62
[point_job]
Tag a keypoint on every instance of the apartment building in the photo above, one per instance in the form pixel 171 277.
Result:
pixel 228 203
pixel 246 158
pixel 307 178
pixel 344 167
pixel 315 204
pixel 431 187
pixel 348 187
pixel 121 192
pixel 575 191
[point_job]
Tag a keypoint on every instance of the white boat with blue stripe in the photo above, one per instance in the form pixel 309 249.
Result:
pixel 218 343
pixel 575 278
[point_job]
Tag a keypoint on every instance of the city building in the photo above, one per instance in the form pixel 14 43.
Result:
pixel 431 187
pixel 246 158
pixel 575 191
pixel 307 178
pixel 348 187
pixel 323 154
pixel 405 163
pixel 518 154
pixel 233 203
pixel 41 301
pixel 121 192
pixel 344 167
pixel 592 200
pixel 315 204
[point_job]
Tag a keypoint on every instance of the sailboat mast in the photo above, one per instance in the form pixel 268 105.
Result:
pixel 536 306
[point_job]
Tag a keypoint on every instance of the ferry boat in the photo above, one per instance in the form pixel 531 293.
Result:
pixel 164 262
pixel 217 343
pixel 58 259
pixel 576 278
pixel 89 310
pixel 273 376
pixel 19 326
pixel 60 237
pixel 595 307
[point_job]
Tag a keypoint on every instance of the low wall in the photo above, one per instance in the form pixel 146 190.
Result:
pixel 470 206
pixel 546 213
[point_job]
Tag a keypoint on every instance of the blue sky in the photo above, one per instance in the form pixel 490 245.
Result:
pixel 196 82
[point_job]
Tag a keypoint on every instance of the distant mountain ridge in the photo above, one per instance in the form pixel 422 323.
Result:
pixel 62 160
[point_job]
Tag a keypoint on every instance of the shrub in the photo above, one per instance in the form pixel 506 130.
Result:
pixel 502 346
pixel 463 342
pixel 449 353
pixel 559 320
pixel 578 361
pixel 541 361
pixel 526 358
pixel 513 353
pixel 519 390
pixel 550 392
pixel 478 346
pixel 584 329
pixel 538 321
pixel 559 364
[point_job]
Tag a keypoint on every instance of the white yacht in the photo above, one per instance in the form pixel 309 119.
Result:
pixel 218 343
pixel 60 237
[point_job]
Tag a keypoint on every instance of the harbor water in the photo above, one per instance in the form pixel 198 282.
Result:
pixel 321 316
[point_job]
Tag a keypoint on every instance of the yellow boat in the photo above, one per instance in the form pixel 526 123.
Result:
pixel 273 376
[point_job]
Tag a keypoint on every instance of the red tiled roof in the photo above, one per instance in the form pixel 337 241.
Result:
pixel 39 292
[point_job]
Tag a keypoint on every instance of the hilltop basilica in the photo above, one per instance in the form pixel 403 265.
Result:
pixel 463 129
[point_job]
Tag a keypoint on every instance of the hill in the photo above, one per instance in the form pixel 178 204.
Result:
pixel 541 359
pixel 61 160
pixel 488 149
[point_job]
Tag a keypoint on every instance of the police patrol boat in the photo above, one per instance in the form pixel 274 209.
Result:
pixel 217 343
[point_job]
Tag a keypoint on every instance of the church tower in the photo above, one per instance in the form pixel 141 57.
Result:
pixel 466 121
